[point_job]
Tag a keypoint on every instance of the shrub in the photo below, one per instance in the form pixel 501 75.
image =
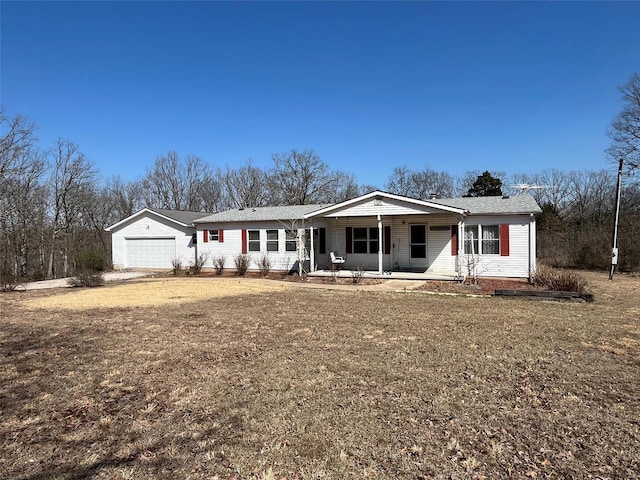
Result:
pixel 264 264
pixel 218 263
pixel 87 279
pixel 242 262
pixel 176 266
pixel 91 260
pixel 198 263
pixel 357 273
pixel 558 280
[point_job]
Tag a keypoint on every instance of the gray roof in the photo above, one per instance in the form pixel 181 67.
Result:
pixel 492 205
pixel 179 216
pixel 258 214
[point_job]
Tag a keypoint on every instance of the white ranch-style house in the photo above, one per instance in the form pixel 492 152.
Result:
pixel 379 232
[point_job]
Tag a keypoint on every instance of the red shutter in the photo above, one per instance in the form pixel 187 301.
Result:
pixel 387 240
pixel 504 240
pixel 323 240
pixel 220 235
pixel 205 236
pixel 244 241
pixel 348 232
pixel 454 240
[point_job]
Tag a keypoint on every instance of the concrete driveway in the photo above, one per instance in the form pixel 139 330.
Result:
pixel 64 282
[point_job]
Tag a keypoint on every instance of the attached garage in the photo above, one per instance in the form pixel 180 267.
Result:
pixel 154 238
pixel 149 252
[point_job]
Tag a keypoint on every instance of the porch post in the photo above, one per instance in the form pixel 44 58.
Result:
pixel 460 245
pixel 379 245
pixel 312 253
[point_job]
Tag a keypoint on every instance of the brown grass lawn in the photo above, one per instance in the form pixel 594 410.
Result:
pixel 312 383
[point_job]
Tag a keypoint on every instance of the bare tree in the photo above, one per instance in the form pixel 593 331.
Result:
pixel 22 216
pixel 421 184
pixel 15 145
pixel 346 188
pixel 124 198
pixel 625 128
pixel 177 185
pixel 400 181
pixel 300 178
pixel 245 187
pixel 72 180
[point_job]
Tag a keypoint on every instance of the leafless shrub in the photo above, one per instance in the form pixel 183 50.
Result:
pixel 264 264
pixel 8 286
pixel 197 265
pixel 559 280
pixel 242 262
pixel 357 274
pixel 218 263
pixel 176 266
pixel 87 279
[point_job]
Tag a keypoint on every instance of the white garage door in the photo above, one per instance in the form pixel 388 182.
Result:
pixel 150 252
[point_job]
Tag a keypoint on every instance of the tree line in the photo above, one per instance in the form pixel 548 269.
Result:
pixel 54 205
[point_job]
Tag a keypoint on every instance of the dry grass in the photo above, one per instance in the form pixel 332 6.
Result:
pixel 319 384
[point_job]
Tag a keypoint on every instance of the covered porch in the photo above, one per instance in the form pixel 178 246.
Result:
pixel 386 236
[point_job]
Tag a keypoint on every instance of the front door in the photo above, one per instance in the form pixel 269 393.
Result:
pixel 418 245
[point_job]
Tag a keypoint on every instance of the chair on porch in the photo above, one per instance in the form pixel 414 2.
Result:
pixel 335 262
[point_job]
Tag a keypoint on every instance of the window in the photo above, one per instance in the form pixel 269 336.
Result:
pixel 365 240
pixel 373 240
pixel 490 239
pixel 254 240
pixel 272 240
pixel 471 239
pixel 482 239
pixel 291 241
pixel 214 235
pixel 360 240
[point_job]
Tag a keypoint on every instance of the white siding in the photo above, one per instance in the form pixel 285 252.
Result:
pixel 517 263
pixel 439 258
pixel 231 247
pixel 151 227
pixel 384 207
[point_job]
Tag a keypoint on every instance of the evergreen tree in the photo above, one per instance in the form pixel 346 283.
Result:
pixel 485 186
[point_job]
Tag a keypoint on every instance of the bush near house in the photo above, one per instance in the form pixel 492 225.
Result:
pixel 558 280
pixel 242 262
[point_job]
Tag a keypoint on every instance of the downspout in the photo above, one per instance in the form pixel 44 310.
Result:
pixel 380 269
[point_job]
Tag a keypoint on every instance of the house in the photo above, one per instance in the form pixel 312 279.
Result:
pixel 379 232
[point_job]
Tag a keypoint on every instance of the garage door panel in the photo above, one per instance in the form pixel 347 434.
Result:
pixel 150 252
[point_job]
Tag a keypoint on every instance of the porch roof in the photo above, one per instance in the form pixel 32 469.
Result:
pixel 331 210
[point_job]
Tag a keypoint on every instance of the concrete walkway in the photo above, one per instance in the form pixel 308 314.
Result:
pixel 64 282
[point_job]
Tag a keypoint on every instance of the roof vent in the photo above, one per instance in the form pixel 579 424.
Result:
pixel 433 196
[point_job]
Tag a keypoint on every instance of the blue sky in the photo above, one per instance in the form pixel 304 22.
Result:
pixel 518 87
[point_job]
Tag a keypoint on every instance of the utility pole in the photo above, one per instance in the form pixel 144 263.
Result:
pixel 614 250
